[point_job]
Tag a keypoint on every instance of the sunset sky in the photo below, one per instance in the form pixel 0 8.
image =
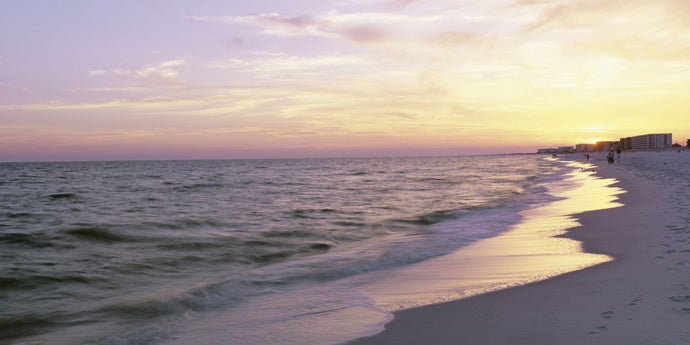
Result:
pixel 158 79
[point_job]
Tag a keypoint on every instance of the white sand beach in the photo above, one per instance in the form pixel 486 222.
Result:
pixel 642 296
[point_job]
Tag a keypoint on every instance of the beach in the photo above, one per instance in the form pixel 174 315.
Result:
pixel 501 249
pixel 640 296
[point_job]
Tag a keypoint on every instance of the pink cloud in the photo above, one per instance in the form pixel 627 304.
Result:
pixel 162 73
pixel 362 33
pixel 347 27
pixel 276 19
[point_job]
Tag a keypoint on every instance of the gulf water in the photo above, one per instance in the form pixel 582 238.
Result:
pixel 236 251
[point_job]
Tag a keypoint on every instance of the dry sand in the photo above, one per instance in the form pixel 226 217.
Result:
pixel 642 297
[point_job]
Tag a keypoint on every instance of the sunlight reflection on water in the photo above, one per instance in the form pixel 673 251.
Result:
pixel 529 252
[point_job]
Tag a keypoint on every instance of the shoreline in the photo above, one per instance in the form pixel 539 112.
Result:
pixel 641 297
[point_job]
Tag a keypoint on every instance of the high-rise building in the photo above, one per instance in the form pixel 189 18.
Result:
pixel 647 142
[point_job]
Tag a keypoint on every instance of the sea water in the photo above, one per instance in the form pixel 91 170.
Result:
pixel 237 251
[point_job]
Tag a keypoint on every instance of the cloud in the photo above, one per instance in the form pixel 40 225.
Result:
pixel 262 68
pixel 401 3
pixel 161 73
pixel 274 19
pixel 158 75
pixel 148 103
pixel 403 115
pixel 454 38
pixel 629 29
pixel 13 87
pixel 358 27
pixel 572 14
pixel 271 22
pixel 363 33
pixel 172 63
pixel 613 15
pixel 436 26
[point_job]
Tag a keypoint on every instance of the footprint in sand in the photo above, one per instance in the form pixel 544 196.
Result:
pixel 677 228
pixel 635 301
pixel 598 330
pixel 608 314
pixel 681 299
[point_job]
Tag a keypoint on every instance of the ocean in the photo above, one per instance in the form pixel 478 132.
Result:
pixel 238 251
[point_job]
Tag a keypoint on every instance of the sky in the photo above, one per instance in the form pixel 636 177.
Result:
pixel 203 79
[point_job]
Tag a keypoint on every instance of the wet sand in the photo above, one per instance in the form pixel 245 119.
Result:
pixel 640 297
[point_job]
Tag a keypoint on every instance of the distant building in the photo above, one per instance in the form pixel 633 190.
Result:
pixel 560 150
pixel 647 142
pixel 566 149
pixel 641 142
pixel 606 146
pixel 584 148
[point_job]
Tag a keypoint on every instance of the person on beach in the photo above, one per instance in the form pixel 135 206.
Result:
pixel 610 156
pixel 587 156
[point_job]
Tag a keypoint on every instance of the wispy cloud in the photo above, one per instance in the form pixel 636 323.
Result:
pixel 145 103
pixel 358 27
pixel 7 86
pixel 631 29
pixel 284 66
pixel 161 73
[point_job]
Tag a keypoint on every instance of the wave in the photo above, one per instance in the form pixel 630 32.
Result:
pixel 19 326
pixel 311 262
pixel 15 215
pixel 29 240
pixel 10 283
pixel 99 234
pixel 271 256
pixel 310 213
pixel 287 233
pixel 196 186
pixel 211 241
pixel 31 281
pixel 191 245
pixel 63 195
pixel 431 218
pixel 328 261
